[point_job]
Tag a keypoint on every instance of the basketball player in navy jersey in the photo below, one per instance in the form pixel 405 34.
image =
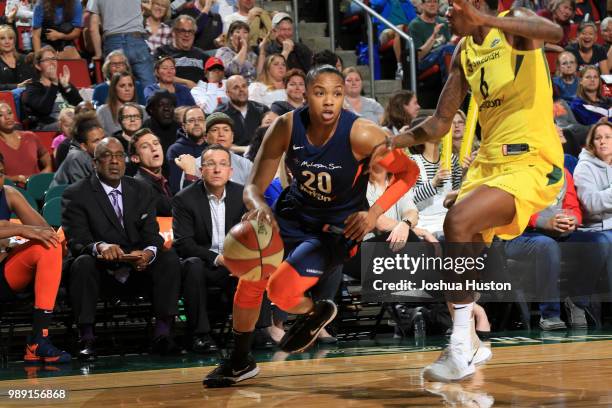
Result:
pixel 328 150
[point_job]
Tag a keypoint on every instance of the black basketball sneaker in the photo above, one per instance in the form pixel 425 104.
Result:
pixel 307 327
pixel 229 373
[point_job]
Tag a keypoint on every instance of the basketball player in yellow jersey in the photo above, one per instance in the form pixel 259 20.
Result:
pixel 519 168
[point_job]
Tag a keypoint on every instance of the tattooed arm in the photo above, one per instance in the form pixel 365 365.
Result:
pixel 436 126
pixel 526 30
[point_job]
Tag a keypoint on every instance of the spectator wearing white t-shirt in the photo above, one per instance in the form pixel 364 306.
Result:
pixel 270 87
pixel 208 95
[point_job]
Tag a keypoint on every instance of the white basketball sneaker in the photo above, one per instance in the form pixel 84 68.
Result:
pixel 454 364
pixel 482 354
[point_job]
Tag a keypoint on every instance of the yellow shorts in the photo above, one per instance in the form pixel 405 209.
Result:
pixel 534 183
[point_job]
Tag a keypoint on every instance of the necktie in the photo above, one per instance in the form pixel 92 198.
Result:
pixel 114 195
pixel 165 186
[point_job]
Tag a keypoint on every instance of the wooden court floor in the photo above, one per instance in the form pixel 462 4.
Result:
pixel 546 375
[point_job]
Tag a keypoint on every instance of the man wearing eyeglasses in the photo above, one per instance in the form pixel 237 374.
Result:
pixel 219 130
pixel 191 141
pixel 202 215
pixel 114 242
pixel 190 60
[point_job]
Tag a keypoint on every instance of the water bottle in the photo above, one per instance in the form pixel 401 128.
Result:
pixel 418 326
pixel 26 40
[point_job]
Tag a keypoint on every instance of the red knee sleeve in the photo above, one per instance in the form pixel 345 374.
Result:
pixel 249 294
pixel 286 286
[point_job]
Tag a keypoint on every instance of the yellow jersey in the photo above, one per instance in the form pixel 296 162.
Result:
pixel 513 90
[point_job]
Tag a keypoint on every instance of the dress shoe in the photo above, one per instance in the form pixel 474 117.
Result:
pixel 202 344
pixel 165 346
pixel 87 350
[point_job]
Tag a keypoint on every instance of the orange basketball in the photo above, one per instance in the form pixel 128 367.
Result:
pixel 252 250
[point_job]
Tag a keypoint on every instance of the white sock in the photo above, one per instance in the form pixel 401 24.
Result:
pixel 462 324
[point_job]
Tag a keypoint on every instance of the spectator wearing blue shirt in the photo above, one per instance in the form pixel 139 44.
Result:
pixel 589 106
pixel 191 141
pixel 165 72
pixel 565 79
pixel 57 23
pixel 400 13
pixel 116 61
pixel 122 28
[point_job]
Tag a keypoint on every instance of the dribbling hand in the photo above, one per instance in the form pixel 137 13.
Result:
pixel 262 214
pixel 358 224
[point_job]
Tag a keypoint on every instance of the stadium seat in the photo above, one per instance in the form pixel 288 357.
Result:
pixel 46 137
pixel 2 7
pixel 8 182
pixel 505 5
pixel 28 198
pixel 600 40
pixel 20 31
pixel 38 184
pixel 52 212
pixel 551 57
pixel 7 96
pixel 165 230
pixel 79 73
pixel 98 71
pixel 55 191
pixel 573 32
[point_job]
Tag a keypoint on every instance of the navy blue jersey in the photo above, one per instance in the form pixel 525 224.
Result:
pixel 328 183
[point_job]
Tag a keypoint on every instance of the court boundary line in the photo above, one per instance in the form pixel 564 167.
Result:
pixel 304 375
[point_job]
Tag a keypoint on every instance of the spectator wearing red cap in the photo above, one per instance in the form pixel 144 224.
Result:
pixel 208 95
pixel 165 72
pixel 237 58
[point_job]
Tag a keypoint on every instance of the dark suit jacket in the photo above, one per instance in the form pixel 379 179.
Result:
pixel 88 217
pixel 192 222
pixel 77 165
pixel 244 128
pixel 163 202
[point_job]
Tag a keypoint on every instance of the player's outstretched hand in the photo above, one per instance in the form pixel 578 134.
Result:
pixel 358 224
pixel 262 214
pixel 468 14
